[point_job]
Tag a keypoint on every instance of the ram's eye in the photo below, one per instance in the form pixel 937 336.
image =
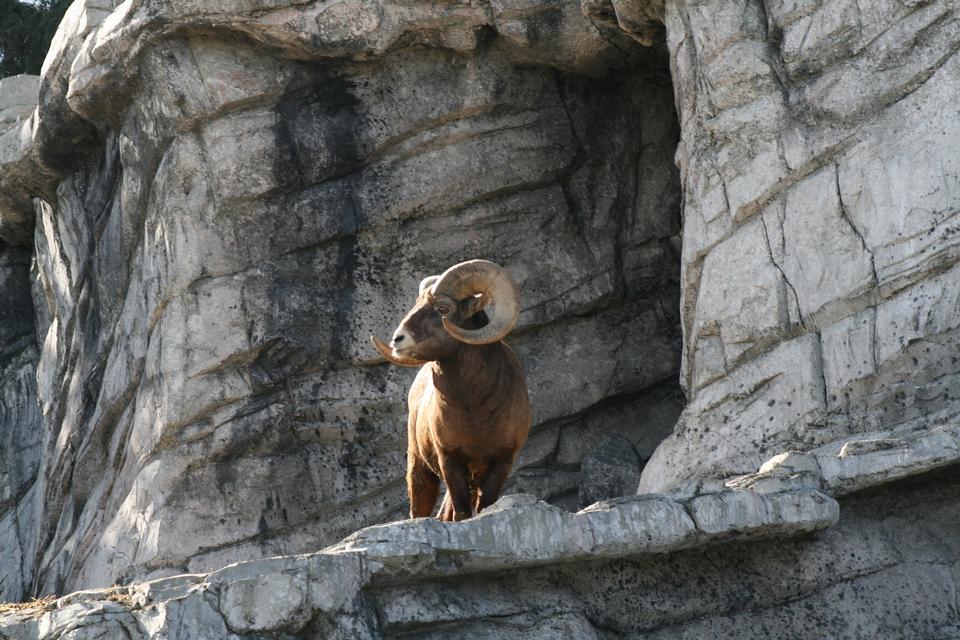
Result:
pixel 442 310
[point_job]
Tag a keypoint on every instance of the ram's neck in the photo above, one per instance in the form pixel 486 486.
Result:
pixel 475 375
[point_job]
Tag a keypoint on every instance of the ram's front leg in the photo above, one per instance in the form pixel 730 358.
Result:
pixel 492 483
pixel 456 475
pixel 423 486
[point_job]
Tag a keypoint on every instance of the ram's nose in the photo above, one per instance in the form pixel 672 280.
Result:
pixel 400 339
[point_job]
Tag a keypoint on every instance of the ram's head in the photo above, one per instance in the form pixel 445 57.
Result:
pixel 473 302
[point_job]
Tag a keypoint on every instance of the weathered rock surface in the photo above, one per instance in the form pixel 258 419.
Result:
pixel 787 569
pixel 211 205
pixel 230 197
pixel 18 97
pixel 21 433
pixel 18 100
pixel 858 462
pixel 609 470
pixel 821 187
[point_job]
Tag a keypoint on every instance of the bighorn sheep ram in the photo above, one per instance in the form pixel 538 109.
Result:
pixel 469 413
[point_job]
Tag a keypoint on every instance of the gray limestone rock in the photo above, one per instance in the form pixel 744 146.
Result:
pixel 231 197
pixel 21 435
pixel 611 469
pixel 18 99
pixel 207 207
pixel 819 287
pixel 637 567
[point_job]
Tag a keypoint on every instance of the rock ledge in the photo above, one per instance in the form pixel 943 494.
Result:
pixel 786 497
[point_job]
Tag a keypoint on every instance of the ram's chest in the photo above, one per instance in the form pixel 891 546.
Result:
pixel 453 428
pixel 460 426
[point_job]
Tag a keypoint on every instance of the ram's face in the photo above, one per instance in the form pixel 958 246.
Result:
pixel 422 334
pixel 473 302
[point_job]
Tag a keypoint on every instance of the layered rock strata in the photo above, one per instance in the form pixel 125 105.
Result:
pixel 21 430
pixel 793 563
pixel 225 199
pixel 820 242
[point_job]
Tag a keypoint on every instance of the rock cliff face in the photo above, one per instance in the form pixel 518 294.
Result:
pixel 820 241
pixel 230 198
pixel 213 205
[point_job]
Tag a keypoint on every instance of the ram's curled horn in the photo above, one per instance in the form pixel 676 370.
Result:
pixel 387 353
pixel 466 279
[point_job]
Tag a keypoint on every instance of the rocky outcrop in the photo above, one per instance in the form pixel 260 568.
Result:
pixel 222 200
pixel 21 433
pixel 230 197
pixel 820 178
pixel 793 563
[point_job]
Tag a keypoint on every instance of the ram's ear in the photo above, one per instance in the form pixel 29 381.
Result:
pixel 473 305
pixel 426 283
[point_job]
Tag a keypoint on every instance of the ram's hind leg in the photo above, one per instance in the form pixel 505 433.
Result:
pixel 475 500
pixel 446 509
pixel 423 487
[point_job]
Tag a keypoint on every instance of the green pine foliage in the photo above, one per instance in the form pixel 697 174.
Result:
pixel 26 29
